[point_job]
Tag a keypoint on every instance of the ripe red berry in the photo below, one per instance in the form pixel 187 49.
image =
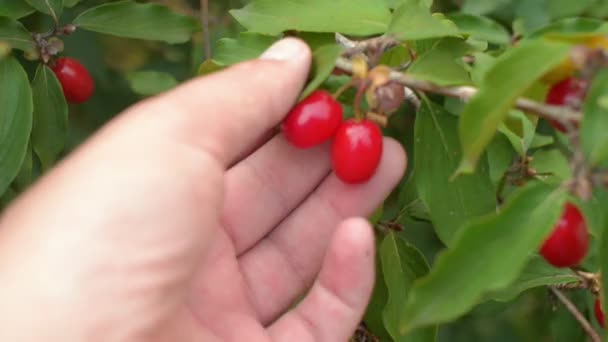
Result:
pixel 567 92
pixel 75 80
pixel 567 245
pixel 356 151
pixel 312 121
pixel 599 314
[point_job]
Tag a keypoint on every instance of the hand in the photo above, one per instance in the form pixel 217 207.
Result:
pixel 186 219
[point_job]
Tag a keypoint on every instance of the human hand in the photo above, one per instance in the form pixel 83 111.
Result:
pixel 181 221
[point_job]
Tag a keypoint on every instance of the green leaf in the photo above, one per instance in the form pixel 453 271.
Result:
pixel 436 156
pixel 50 128
pixel 442 64
pixel 208 67
pixel 15 119
pixel 552 162
pixel 15 9
pixel 570 27
pixel 481 28
pixel 402 264
pixel 71 3
pixel 50 7
pixel 16 35
pixel 536 273
pixel 519 129
pixel 412 21
pixel 150 83
pixel 595 121
pixel 249 45
pixel 509 77
pixel 25 176
pixel 479 7
pixel 487 255
pixel 354 17
pixel 140 21
pixel 373 313
pixel 324 61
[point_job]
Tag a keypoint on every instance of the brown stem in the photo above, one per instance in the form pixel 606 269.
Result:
pixel 577 314
pixel 465 93
pixel 205 27
pixel 358 97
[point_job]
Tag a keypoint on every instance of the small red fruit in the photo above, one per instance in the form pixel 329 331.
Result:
pixel 567 245
pixel 356 151
pixel 312 121
pixel 599 314
pixel 567 92
pixel 74 78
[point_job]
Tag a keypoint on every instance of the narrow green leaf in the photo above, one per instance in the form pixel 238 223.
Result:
pixel 140 21
pixel 354 17
pixel 25 176
pixel 487 255
pixel 50 7
pixel 595 121
pixel 16 35
pixel 402 264
pixel 49 132
pixel 373 313
pixel 324 61
pixel 481 28
pixel 442 64
pixel 71 3
pixel 436 156
pixel 412 21
pixel 510 76
pixel 208 67
pixel 536 273
pixel 15 119
pixel 519 129
pixel 150 83
pixel 479 7
pixel 247 46
pixel 15 9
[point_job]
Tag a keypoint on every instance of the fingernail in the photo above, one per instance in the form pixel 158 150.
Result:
pixel 284 50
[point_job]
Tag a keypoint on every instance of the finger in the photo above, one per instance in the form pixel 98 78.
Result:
pixel 284 264
pixel 227 112
pixel 265 187
pixel 333 308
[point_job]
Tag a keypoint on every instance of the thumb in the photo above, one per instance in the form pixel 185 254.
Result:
pixel 334 306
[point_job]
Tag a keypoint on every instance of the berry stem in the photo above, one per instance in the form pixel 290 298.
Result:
pixel 342 89
pixel 358 97
pixel 593 335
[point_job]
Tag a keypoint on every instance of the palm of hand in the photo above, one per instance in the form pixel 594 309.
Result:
pixel 217 247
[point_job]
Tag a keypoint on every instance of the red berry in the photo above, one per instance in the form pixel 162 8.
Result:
pixel 567 92
pixel 599 314
pixel 312 121
pixel 75 80
pixel 356 150
pixel 567 244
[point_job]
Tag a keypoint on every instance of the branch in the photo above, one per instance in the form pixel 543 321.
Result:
pixel 577 315
pixel 465 93
pixel 205 27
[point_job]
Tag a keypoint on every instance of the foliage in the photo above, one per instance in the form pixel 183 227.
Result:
pixel 458 240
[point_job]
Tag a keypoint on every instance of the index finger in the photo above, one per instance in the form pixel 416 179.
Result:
pixel 230 110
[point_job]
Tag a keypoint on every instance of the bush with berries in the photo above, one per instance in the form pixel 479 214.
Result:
pixel 498 230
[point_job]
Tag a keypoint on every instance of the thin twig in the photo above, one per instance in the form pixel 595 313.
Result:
pixel 577 315
pixel 205 27
pixel 465 93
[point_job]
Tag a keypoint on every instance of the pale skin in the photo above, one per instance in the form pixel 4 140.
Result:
pixel 187 218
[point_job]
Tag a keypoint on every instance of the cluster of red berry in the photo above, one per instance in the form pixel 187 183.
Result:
pixel 74 78
pixel 568 243
pixel 357 143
